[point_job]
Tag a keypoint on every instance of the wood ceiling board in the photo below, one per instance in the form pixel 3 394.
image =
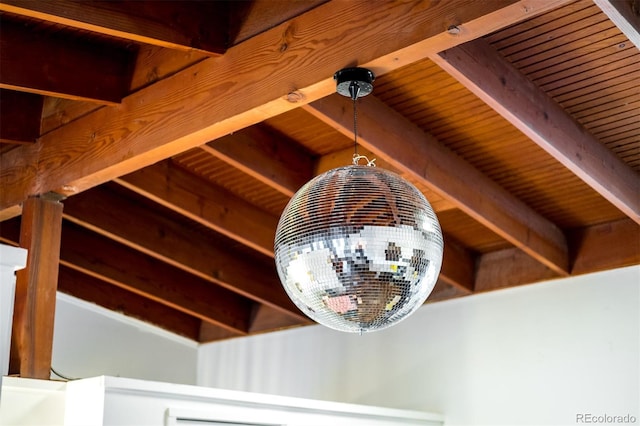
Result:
pixel 46 64
pixel 392 137
pixel 219 173
pixel 575 61
pixel 625 15
pixel 496 148
pixel 312 134
pixel 209 205
pixel 470 233
pixel 112 262
pixel 130 223
pixel 588 39
pixel 268 156
pixel 177 25
pixel 602 68
pixel 210 107
pixel 481 69
pixel 526 29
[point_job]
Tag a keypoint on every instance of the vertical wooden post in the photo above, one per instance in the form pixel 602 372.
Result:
pixel 36 285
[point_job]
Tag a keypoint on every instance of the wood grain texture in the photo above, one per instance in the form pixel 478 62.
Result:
pixel 36 285
pixel 206 204
pixel 483 71
pixel 220 95
pixel 625 14
pixel 605 246
pixel 266 156
pixel 153 233
pixel 393 138
pixel 115 264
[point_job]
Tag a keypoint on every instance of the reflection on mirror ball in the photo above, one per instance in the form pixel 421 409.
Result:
pixel 358 249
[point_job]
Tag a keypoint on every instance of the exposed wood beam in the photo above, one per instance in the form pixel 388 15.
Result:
pixel 508 268
pixel 595 248
pixel 605 246
pixel 35 298
pixel 218 96
pixel 102 210
pixel 20 116
pixel 444 291
pixel 211 333
pixel 405 146
pixel 148 277
pixel 94 290
pixel 183 25
pixel 51 64
pixel 458 266
pixel 266 319
pixel 625 14
pixel 480 68
pixel 265 156
pixel 202 202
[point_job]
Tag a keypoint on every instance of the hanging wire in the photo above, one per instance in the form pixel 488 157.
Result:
pixel 65 378
pixel 354 90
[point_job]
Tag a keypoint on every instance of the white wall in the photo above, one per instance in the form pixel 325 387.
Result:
pixel 91 341
pixel 539 354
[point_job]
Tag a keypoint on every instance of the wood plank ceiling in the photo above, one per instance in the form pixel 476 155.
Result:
pixel 178 131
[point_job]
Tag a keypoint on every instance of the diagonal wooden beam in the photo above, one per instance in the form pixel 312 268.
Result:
pixel 116 216
pixel 218 96
pixel 65 67
pixel 480 68
pixel 266 156
pixel 148 277
pixel 405 146
pixel 94 290
pixel 182 25
pixel 204 203
pixel 625 14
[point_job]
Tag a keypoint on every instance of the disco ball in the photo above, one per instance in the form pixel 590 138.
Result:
pixel 358 249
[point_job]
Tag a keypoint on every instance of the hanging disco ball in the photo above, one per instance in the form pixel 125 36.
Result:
pixel 358 249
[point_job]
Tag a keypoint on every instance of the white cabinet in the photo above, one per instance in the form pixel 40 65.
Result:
pixel 119 401
pixel 12 259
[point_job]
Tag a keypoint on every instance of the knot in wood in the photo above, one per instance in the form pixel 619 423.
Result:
pixel 295 96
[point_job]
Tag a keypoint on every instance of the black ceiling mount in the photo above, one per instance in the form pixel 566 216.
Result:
pixel 354 83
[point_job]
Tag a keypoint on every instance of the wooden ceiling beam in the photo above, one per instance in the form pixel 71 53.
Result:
pixel 480 68
pixel 20 115
pixel 218 96
pixel 605 246
pixel 405 146
pixel 113 215
pixel 595 248
pixel 35 61
pixel 180 25
pixel 148 277
pixel 202 202
pixel 101 293
pixel 625 14
pixel 266 156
